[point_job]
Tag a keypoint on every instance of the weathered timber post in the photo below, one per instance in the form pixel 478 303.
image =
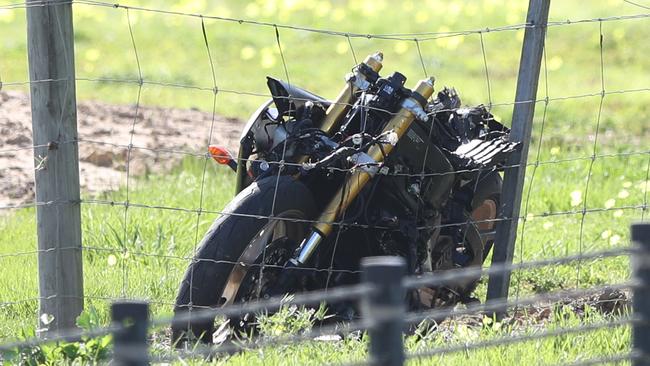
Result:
pixel 54 126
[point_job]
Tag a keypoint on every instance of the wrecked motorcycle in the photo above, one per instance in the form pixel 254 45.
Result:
pixel 381 170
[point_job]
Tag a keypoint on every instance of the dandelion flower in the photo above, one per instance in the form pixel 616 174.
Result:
pixel 252 10
pixel 627 184
pixel 606 234
pixel 618 213
pixel 342 47
pixel 267 59
pixel 6 16
pixel 530 216
pixel 421 17
pixel 555 63
pixel 623 194
pixel 112 260
pixel 401 47
pixel 615 239
pixel 338 14
pixel 576 198
pixel 555 150
pixel 610 203
pixel 92 54
pixel 547 225
pixel 247 53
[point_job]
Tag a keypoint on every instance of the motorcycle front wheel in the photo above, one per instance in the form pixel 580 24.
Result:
pixel 243 251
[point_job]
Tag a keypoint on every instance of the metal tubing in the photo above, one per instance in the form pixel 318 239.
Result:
pixel 399 124
pixel 308 246
pixel 348 96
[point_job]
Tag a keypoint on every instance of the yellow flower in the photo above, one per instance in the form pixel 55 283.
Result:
pixel 252 10
pixel 618 213
pixel 547 225
pixel 576 198
pixel 627 184
pixel 421 17
pixel 267 59
pixel 323 9
pixel 606 234
pixel 338 14
pixel 619 34
pixel 401 47
pixel 196 6
pixel 623 194
pixel 555 150
pixel 615 239
pixel 247 53
pixel 554 63
pixel 6 16
pixel 610 203
pixel 530 216
pixel 112 260
pixel 342 47
pixel 92 54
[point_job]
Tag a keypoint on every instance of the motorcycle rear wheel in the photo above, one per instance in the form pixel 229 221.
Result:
pixel 226 266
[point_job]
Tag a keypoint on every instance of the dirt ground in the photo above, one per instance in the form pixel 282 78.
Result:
pixel 162 137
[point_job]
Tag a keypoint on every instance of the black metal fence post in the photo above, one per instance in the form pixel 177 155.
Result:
pixel 130 344
pixel 522 125
pixel 641 300
pixel 384 309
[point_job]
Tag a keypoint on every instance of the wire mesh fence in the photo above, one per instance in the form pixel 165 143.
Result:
pixel 384 316
pixel 587 178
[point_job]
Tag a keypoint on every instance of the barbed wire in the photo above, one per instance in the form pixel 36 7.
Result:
pixel 338 294
pixel 522 338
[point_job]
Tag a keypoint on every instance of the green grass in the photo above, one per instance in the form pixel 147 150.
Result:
pixel 148 258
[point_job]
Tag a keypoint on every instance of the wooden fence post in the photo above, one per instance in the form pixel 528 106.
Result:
pixel 54 127
pixel 384 309
pixel 130 346
pixel 640 235
pixel 522 123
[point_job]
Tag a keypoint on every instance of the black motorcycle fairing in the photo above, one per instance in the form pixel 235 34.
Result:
pixel 288 98
pixel 254 119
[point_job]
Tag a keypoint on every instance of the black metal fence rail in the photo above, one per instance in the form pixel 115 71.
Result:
pixel 381 296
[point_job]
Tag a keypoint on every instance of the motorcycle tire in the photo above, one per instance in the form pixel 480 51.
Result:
pixel 242 234
pixel 486 204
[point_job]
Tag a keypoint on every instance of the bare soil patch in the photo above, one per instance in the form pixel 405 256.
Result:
pixel 161 138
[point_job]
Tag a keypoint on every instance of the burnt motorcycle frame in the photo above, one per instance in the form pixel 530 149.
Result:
pixel 389 173
pixel 414 143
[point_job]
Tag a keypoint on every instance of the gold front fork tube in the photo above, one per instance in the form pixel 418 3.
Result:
pixel 348 96
pixel 399 124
